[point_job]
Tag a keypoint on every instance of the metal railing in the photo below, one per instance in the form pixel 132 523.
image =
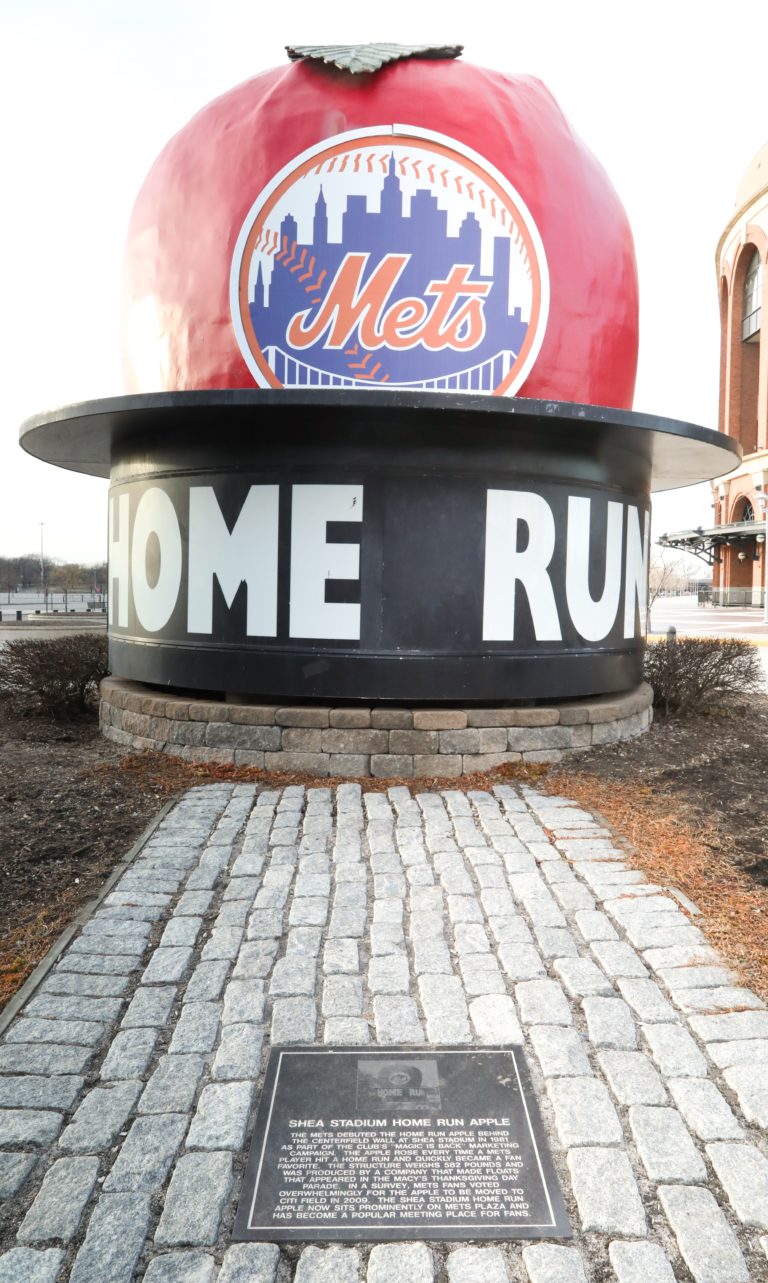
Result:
pixel 476 378
pixel 745 598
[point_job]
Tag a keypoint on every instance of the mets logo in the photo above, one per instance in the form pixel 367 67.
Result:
pixel 390 257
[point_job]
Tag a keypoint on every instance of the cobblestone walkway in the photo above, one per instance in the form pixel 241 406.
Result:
pixel 129 1082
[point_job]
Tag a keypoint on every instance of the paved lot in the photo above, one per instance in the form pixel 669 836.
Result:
pixel 693 620
pixel 707 621
pixel 128 1084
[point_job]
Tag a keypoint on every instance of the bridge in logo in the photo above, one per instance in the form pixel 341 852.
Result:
pixel 293 373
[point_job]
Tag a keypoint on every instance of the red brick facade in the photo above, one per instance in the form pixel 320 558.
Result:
pixel 739 497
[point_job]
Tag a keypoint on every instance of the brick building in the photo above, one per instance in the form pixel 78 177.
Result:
pixel 735 543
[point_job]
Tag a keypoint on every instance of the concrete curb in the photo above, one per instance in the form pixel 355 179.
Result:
pixel 23 995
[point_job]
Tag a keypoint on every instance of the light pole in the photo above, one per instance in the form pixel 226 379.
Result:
pixel 762 499
pixel 42 563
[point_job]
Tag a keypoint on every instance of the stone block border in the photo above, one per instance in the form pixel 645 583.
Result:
pixel 359 741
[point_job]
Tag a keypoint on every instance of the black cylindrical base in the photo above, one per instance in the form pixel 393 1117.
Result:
pixel 379 546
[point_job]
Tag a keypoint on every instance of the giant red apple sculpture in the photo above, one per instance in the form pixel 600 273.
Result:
pixel 424 225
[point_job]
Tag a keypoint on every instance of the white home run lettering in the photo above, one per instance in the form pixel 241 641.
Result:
pixel 229 555
pixel 315 559
pixel 155 523
pixel 506 567
pixel 248 553
pixel 567 564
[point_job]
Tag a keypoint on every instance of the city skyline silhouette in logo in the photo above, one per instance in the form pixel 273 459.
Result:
pixel 392 266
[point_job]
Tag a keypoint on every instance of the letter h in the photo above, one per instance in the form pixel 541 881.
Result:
pixel 118 573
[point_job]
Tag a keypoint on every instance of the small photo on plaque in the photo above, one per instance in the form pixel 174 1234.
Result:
pixel 398 1085
pixel 353 1144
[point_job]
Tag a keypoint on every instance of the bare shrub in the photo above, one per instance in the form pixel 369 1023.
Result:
pixel 58 676
pixel 691 674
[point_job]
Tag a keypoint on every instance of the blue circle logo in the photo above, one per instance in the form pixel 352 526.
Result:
pixel 390 257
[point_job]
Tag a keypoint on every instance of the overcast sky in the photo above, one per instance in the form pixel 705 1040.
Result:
pixel 670 99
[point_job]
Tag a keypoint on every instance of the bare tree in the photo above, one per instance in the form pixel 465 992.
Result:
pixel 665 576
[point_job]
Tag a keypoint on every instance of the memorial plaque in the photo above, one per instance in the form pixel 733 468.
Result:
pixel 399 1143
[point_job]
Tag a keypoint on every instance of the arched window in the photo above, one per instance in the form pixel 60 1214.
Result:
pixel 743 510
pixel 750 315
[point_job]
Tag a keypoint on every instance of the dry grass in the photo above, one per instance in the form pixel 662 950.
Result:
pixel 28 941
pixel 671 846
pixel 174 775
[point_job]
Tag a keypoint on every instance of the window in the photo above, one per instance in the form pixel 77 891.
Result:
pixel 748 513
pixel 750 317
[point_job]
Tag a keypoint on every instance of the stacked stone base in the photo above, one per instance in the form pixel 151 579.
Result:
pixel 377 741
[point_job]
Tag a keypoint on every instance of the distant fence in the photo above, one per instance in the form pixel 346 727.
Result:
pixel 745 598
pixel 57 601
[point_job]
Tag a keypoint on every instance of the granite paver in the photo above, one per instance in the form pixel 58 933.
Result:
pixel 742 1170
pixel 130 1054
pixel 705 1240
pixel 561 1052
pixel 100 1116
pixel 326 1265
pixel 59 1205
pixel 751 1090
pixel 147 1153
pixel 173 1085
pixel 194 1202
pixel 337 916
pixel 30 1265
pixel 391 1262
pixel 15 1167
pixel 665 1145
pixel 606 1191
pixel 114 1239
pixel 250 1263
pixel 29 1126
pixel 221 1116
pixel 181 1267
pixel 36 1091
pixel 632 1078
pixel 550 1263
pixel 705 1109
pixel 640 1263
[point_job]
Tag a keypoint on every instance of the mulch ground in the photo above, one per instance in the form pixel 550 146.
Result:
pixel 691 799
pixel 689 796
